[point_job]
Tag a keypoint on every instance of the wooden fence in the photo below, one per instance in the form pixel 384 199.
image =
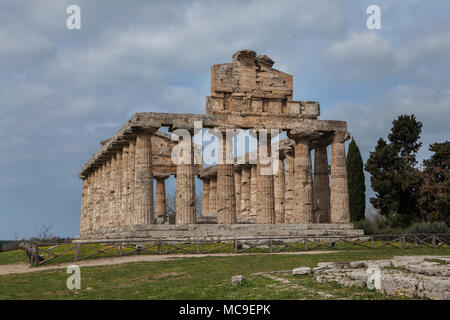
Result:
pixel 41 253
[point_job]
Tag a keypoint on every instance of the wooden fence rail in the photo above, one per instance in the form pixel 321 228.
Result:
pixel 41 253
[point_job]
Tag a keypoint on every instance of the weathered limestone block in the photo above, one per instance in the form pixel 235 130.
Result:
pixel 321 186
pixel 301 271
pixel 143 181
pixel 235 280
pixel 340 212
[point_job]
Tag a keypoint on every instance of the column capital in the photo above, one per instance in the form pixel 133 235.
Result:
pixel 237 167
pixel 161 177
pixel 298 134
pixel 340 136
pixel 147 130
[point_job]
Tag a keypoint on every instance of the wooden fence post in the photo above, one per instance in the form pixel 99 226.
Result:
pixel 198 247
pixel 120 249
pixel 270 245
pixel 35 256
pixel 235 246
pixel 77 252
pixel 306 244
pixel 160 247
pixel 433 241
pixel 403 242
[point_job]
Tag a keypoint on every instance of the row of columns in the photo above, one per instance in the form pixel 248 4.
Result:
pixel 120 191
pixel 294 194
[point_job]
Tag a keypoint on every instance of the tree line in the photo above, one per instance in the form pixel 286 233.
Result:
pixel 406 192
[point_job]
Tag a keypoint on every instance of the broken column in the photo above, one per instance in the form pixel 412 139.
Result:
pixel 340 212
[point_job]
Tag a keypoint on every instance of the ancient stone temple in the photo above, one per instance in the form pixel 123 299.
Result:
pixel 282 188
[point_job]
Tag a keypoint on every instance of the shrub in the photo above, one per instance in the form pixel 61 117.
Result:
pixel 429 228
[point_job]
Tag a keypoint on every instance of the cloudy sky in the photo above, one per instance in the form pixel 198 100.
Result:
pixel 62 91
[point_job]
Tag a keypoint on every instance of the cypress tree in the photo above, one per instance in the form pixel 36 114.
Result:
pixel 356 182
pixel 394 177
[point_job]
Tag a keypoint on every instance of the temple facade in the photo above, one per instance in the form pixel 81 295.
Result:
pixel 243 195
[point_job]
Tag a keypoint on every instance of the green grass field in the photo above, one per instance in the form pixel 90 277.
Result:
pixel 196 278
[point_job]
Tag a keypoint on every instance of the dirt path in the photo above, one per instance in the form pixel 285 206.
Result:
pixel 24 267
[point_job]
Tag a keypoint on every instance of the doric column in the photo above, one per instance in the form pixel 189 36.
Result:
pixel 303 190
pixel 96 198
pixel 212 196
pixel 112 212
pixel 226 197
pixel 160 205
pixel 89 202
pixel 289 192
pixel 185 187
pixel 105 193
pixel 279 191
pixel 245 191
pixel 143 180
pixel 205 195
pixel 339 189
pixel 321 186
pixel 237 188
pixel 131 179
pixel 253 191
pixel 124 185
pixel 118 190
pixel 84 199
pixel 265 194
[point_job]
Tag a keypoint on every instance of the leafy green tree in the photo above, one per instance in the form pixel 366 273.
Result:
pixel 434 197
pixel 356 182
pixel 394 177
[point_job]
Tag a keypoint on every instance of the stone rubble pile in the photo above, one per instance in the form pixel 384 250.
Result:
pixel 412 276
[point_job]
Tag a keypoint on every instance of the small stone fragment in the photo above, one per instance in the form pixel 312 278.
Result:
pixel 301 271
pixel 235 280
